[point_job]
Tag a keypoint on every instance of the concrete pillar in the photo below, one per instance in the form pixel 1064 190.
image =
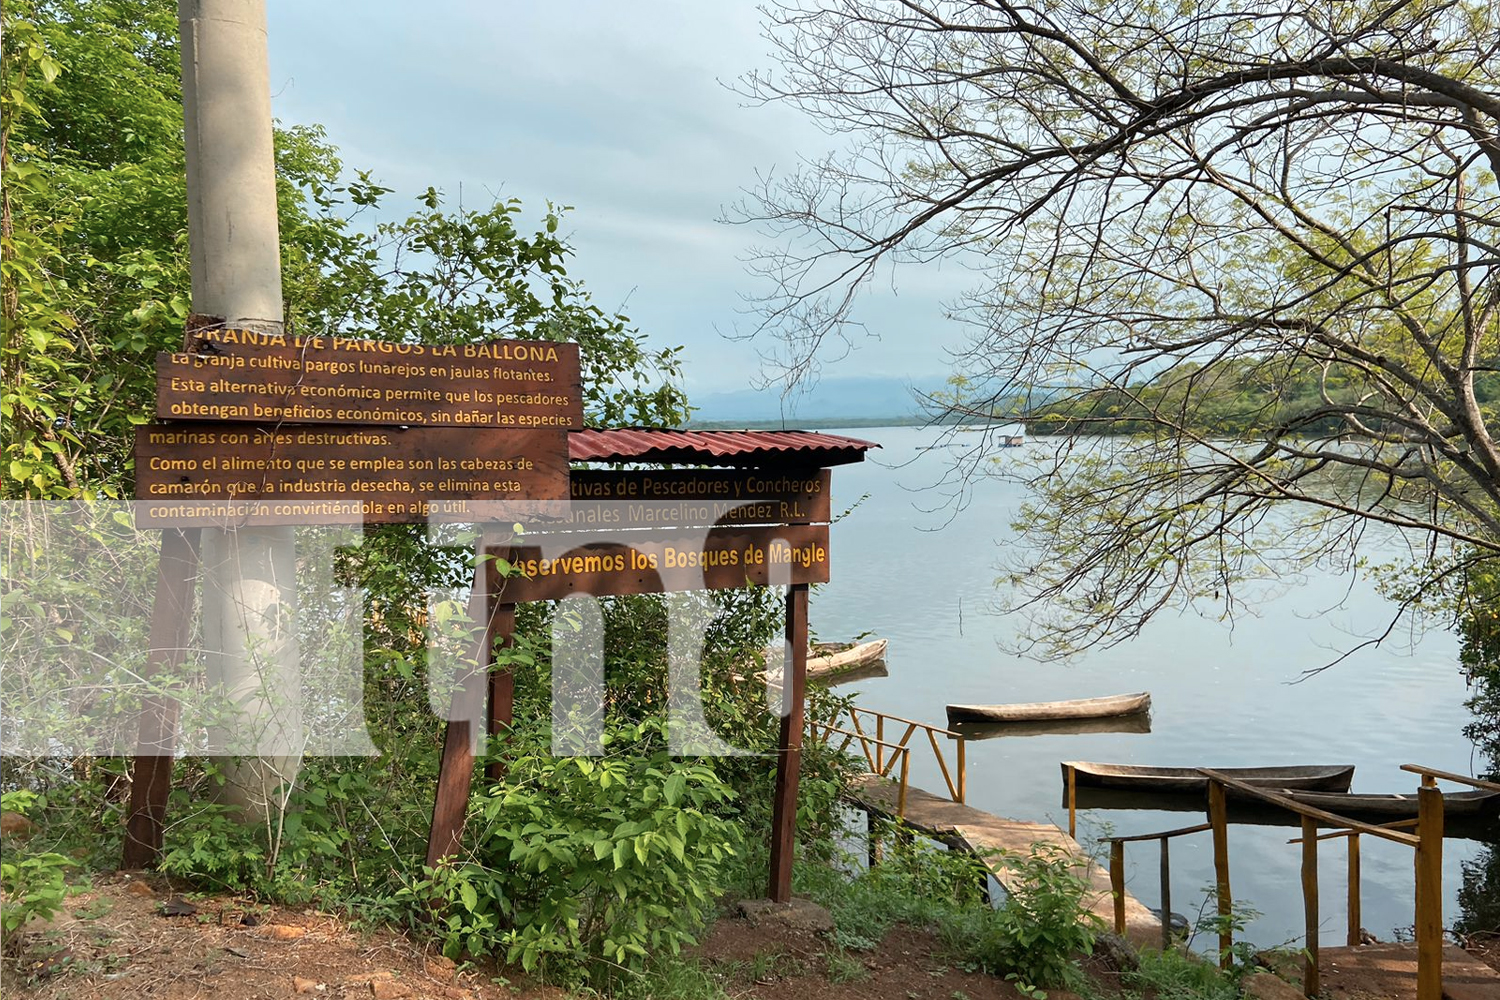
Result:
pixel 250 587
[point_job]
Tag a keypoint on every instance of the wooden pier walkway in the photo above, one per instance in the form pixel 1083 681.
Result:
pixel 980 832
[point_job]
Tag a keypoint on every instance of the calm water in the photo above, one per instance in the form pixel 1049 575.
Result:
pixel 1220 696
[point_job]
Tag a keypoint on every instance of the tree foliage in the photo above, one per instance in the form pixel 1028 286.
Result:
pixel 1165 200
pixel 96 269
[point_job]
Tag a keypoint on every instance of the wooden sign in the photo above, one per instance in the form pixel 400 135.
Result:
pixel 697 498
pixel 239 375
pixel 665 562
pixel 196 474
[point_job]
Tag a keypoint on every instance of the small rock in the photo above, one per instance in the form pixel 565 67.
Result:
pixel 441 968
pixel 301 985
pixel 140 889
pixel 283 932
pixel 388 989
pixel 237 952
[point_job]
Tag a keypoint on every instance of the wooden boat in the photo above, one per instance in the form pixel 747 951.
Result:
pixel 1138 723
pixel 829 659
pixel 1043 711
pixel 1360 805
pixel 1145 778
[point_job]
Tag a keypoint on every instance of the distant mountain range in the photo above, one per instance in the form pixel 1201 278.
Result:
pixel 832 402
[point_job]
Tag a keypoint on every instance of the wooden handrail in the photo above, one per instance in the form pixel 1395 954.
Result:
pixel 1310 812
pixel 1183 831
pixel 1430 772
pixel 956 778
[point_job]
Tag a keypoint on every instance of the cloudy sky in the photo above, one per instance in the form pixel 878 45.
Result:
pixel 619 110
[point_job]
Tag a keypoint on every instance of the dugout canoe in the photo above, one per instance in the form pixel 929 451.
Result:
pixel 831 659
pixel 1107 707
pixel 1146 778
pixel 1399 805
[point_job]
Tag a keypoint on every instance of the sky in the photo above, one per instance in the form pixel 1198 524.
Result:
pixel 621 111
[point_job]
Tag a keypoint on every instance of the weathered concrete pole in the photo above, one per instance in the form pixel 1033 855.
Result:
pixel 249 588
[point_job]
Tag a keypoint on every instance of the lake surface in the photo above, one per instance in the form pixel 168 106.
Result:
pixel 1220 696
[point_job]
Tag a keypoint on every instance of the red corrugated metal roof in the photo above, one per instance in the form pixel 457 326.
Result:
pixel 653 444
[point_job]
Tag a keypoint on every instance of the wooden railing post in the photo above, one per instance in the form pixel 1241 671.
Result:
pixel 1218 818
pixel 905 772
pixel 1072 802
pixel 1117 882
pixel 1166 893
pixel 1429 915
pixel 963 779
pixel 1310 985
pixel 1353 939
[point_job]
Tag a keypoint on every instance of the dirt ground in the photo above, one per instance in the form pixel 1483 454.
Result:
pixel 113 942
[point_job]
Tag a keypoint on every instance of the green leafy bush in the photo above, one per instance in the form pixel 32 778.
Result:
pixel 583 859
pixel 32 885
pixel 1040 928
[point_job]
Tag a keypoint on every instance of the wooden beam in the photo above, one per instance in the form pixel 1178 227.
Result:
pixel 789 747
pixel 171 624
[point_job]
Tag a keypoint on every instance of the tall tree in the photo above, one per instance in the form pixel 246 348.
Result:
pixel 1296 200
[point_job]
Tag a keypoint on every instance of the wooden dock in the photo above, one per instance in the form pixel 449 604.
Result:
pixel 970 829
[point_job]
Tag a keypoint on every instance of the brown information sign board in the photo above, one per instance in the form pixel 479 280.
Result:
pixel 241 375
pixel 665 562
pixel 697 497
pixel 212 473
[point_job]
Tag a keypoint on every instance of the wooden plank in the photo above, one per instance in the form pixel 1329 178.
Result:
pixel 665 562
pixel 789 746
pixel 171 626
pixel 670 498
pixel 203 474
pixel 239 375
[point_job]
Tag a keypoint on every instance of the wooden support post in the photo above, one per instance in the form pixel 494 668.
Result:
pixel 1353 939
pixel 1117 882
pixel 1310 985
pixel 502 631
pixel 963 780
pixel 1218 818
pixel 1072 802
pixel 1429 916
pixel 872 838
pixel 1166 893
pixel 171 624
pixel 456 770
pixel 789 757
